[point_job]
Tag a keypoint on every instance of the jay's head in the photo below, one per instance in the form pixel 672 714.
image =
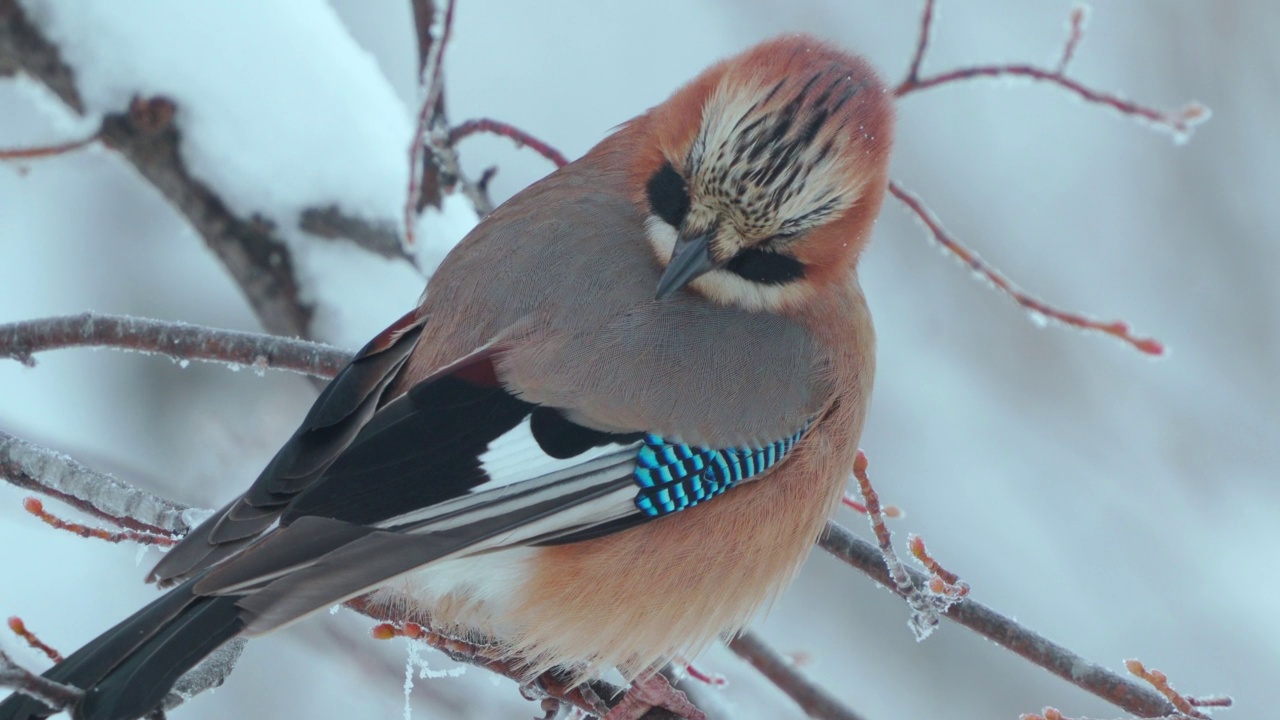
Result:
pixel 760 179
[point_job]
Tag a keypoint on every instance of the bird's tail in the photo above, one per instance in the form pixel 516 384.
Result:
pixel 127 671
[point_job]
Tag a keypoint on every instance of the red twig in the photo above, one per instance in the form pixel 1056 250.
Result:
pixel 712 679
pixel 1181 123
pixel 1036 307
pixel 19 628
pixel 520 137
pixel 922 42
pixel 36 508
pixel 43 151
pixel 1075 33
pixel 942 581
pixel 428 115
pixel 929 602
pixel 1160 682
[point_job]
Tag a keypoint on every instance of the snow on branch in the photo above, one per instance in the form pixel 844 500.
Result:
pixel 252 248
pixel 41 470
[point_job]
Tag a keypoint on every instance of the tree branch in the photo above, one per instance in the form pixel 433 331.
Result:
pixel 1006 632
pixel 41 470
pixel 178 341
pixel 810 696
pixel 837 540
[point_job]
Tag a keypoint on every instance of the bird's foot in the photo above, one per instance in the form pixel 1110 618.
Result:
pixel 650 692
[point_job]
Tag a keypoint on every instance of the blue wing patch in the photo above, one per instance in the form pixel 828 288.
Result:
pixel 674 476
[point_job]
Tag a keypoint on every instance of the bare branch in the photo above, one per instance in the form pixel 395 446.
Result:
pixel 381 238
pixel 23 48
pixel 1091 677
pixel 810 696
pixel 178 341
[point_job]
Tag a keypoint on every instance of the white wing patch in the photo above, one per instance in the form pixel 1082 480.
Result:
pixel 515 457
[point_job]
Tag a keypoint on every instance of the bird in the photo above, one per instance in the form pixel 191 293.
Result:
pixel 611 430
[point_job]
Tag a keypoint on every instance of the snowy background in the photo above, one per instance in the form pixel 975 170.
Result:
pixel 1124 507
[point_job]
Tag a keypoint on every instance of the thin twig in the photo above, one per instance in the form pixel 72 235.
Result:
pixel 507 130
pixel 1075 33
pixel 922 43
pixel 19 628
pixel 810 696
pixel 430 116
pixel 43 151
pixel 178 341
pixel 1037 307
pixel 1181 122
pixel 34 507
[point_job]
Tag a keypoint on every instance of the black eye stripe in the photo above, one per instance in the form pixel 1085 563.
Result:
pixel 668 195
pixel 765 267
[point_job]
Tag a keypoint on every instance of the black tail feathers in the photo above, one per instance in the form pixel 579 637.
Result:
pixel 127 671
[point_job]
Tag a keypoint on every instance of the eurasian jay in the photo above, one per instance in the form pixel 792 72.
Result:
pixel 614 426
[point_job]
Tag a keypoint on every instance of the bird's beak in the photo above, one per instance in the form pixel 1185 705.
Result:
pixel 690 258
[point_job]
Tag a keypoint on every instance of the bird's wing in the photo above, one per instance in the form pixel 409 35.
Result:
pixel 336 417
pixel 457 464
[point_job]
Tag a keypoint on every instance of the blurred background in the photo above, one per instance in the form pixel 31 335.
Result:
pixel 1122 506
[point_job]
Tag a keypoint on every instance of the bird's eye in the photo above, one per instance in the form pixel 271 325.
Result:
pixel 782 237
pixel 668 195
pixel 766 267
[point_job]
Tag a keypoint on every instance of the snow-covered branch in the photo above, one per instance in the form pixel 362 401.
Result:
pixel 251 247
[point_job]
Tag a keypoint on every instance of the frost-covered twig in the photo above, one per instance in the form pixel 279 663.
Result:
pixel 1180 123
pixel 782 672
pixel 52 474
pixel 1091 677
pixel 927 603
pixel 1037 307
pixel 434 166
pixel 34 507
pixel 1185 706
pixel 179 341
